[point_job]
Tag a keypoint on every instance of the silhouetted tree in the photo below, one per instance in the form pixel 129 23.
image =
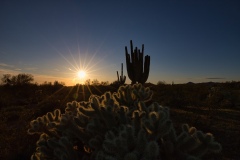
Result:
pixel 56 83
pixel 6 79
pixel 46 83
pixel 161 83
pixel 88 82
pixel 105 83
pixel 95 82
pixel 20 79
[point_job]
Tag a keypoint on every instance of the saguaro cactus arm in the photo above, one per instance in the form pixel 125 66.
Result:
pixel 121 78
pixel 129 66
pixel 145 74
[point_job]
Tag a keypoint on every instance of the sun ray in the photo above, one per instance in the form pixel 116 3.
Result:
pixel 88 61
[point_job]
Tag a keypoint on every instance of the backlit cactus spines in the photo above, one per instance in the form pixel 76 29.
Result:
pixel 135 70
pixel 117 126
pixel 46 123
pixel 128 95
pixel 72 108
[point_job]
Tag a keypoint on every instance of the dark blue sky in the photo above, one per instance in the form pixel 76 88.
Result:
pixel 187 40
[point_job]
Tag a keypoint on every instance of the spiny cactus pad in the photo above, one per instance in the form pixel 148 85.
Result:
pixel 117 126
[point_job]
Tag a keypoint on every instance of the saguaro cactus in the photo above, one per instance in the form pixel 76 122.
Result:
pixel 122 78
pixel 135 70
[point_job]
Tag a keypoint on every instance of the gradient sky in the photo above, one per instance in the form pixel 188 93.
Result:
pixel 188 40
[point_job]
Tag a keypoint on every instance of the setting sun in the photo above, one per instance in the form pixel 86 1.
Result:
pixel 81 74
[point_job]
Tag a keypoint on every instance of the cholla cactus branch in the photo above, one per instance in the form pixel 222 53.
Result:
pixel 117 126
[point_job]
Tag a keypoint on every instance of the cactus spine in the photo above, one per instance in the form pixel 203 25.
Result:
pixel 135 70
pixel 122 78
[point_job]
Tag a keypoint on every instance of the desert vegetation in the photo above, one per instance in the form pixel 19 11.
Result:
pixel 102 120
pixel 210 107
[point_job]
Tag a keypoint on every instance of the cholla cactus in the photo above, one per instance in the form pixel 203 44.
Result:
pixel 118 126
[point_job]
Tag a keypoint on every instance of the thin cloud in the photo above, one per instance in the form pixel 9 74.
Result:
pixel 31 69
pixel 8 71
pixel 6 65
pixel 215 78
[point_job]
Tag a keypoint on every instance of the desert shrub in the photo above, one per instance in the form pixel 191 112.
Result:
pixel 16 95
pixel 117 126
pixel 115 84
